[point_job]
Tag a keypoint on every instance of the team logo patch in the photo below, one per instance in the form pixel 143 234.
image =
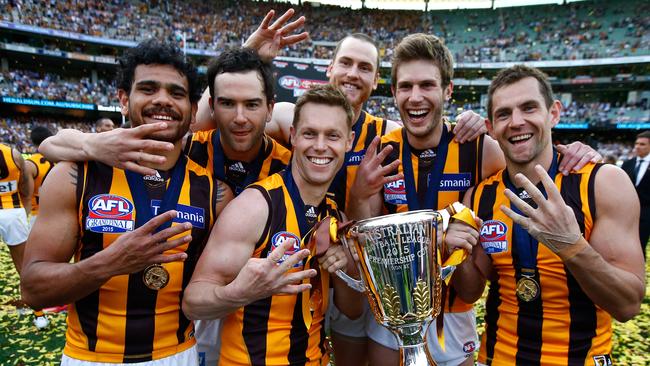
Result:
pixel 108 213
pixel 455 182
pixel 493 237
pixel 603 360
pixel 354 158
pixel 184 213
pixel 469 347
pixel 395 192
pixel 279 238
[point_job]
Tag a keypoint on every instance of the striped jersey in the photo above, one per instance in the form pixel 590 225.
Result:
pixel 43 167
pixel 9 179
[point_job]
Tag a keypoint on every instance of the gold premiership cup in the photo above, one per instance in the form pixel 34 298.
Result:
pixel 399 262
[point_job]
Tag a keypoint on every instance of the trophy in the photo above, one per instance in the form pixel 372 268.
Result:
pixel 401 274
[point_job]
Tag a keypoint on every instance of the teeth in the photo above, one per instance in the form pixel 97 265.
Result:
pixel 320 161
pixel 418 112
pixel 350 86
pixel 521 137
pixel 161 117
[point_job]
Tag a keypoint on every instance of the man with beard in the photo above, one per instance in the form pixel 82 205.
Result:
pixel 426 169
pixel 255 268
pixel 562 252
pixel 135 240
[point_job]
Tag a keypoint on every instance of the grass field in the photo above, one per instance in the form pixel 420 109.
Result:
pixel 21 344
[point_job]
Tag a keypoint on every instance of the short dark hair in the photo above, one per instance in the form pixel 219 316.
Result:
pixel 361 37
pixel 240 60
pixel 39 134
pixel 324 94
pixel 99 121
pixel 515 73
pixel 420 46
pixel 644 134
pixel 154 52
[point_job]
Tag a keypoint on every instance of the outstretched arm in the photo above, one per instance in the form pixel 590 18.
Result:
pixel 226 277
pixel 609 268
pixel 576 156
pixel 121 148
pixel 268 39
pixel 48 277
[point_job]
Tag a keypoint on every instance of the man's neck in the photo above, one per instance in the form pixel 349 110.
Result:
pixel 311 194
pixel 357 112
pixel 245 156
pixel 429 141
pixel 545 159
pixel 171 157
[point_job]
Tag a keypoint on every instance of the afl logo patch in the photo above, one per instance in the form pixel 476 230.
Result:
pixel 395 192
pixel 493 237
pixel 279 238
pixel 469 347
pixel 108 213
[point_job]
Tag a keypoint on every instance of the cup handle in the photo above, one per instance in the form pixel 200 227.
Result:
pixel 353 283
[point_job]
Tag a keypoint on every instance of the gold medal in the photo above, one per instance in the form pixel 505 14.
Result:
pixel 527 289
pixel 155 277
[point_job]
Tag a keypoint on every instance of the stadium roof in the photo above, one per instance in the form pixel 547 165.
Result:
pixel 432 4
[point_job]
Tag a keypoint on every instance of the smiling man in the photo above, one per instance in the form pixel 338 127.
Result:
pixel 255 268
pixel 561 252
pixel 135 239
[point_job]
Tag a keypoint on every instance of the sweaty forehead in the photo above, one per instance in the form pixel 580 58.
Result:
pixel 521 91
pixel 163 74
pixel 358 50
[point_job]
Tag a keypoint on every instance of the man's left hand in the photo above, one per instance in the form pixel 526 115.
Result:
pixel 469 126
pixel 576 156
pixel 334 259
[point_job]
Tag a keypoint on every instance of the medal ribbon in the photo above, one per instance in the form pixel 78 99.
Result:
pixel 219 166
pixel 340 179
pixel 142 202
pixel 305 233
pixel 527 246
pixel 431 193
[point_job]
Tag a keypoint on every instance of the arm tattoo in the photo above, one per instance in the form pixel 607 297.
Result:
pixel 219 191
pixel 74 174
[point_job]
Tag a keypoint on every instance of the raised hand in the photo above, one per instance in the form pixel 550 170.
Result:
pixel 371 175
pixel 128 148
pixel 576 156
pixel 552 223
pixel 269 39
pixel 134 251
pixel 469 126
pixel 264 277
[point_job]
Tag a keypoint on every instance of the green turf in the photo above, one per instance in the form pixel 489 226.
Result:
pixel 21 344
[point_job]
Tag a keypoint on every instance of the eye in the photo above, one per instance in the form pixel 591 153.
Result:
pixel 308 134
pixel 334 136
pixel 252 105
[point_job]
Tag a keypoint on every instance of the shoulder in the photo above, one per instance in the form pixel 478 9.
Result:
pixel 394 136
pixel 278 151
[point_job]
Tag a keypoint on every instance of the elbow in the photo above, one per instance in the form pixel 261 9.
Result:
pixel 188 308
pixel 31 296
pixel 627 311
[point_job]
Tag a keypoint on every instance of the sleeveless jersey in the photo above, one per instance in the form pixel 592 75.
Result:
pixel 444 172
pixel 9 178
pixel 272 331
pixel 365 129
pixel 562 326
pixel 124 321
pixel 43 167
pixel 206 150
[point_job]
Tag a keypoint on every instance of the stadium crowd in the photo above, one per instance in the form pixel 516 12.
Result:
pixel 584 30
pixel 41 85
pixel 15 131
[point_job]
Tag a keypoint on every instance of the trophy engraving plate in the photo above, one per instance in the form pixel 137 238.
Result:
pixel 155 277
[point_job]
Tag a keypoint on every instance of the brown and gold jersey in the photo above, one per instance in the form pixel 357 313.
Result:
pixel 433 179
pixel 43 167
pixel 9 180
pixel 365 129
pixel 206 150
pixel 125 321
pixel 274 331
pixel 561 326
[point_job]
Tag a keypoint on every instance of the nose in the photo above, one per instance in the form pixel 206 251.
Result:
pixel 517 119
pixel 416 94
pixel 353 72
pixel 162 97
pixel 320 142
pixel 240 117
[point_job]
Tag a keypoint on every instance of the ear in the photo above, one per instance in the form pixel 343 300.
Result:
pixel 375 81
pixel 123 97
pixel 448 90
pixel 211 103
pixel 328 73
pixel 292 136
pixel 195 107
pixel 555 111
pixel 348 144
pixel 269 114
pixel 490 128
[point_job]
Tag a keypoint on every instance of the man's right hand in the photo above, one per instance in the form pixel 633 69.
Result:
pixel 268 40
pixel 134 251
pixel 127 148
pixel 264 277
pixel 371 175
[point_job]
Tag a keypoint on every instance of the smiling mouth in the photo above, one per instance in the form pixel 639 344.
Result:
pixel 520 138
pixel 348 86
pixel 320 161
pixel 417 113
